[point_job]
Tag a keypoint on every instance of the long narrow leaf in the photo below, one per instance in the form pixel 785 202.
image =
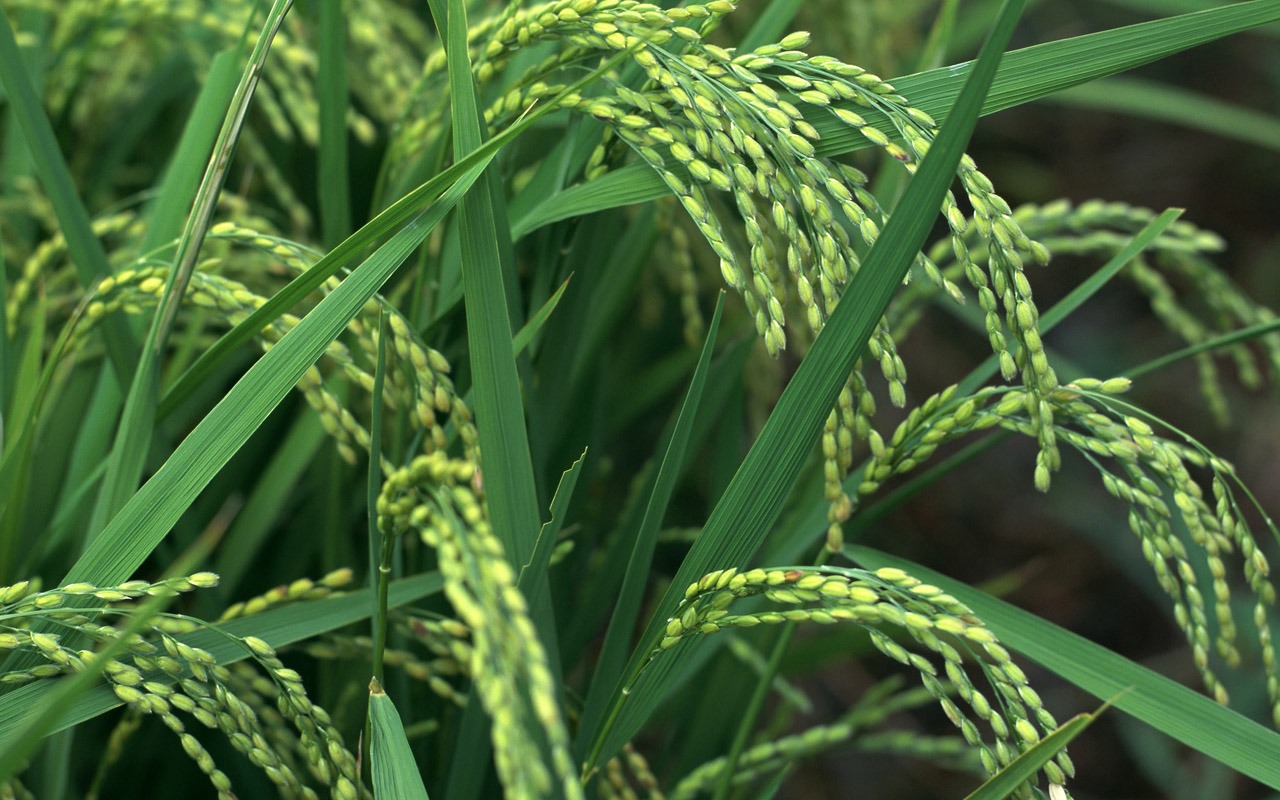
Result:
pixel 534 574
pixel 394 769
pixel 524 337
pixel 1025 766
pixel 617 640
pixel 505 460
pixel 248 533
pixel 751 505
pixel 1226 340
pixel 1187 716
pixel 331 78
pixel 182 177
pixel 1141 98
pixel 504 441
pixel 137 422
pixel 87 255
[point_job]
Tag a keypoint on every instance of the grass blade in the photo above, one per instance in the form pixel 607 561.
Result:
pixel 617 639
pixel 1185 7
pixel 1024 767
pixel 21 421
pixel 392 766
pixel 331 80
pixel 1177 711
pixel 87 255
pixel 504 441
pixel 530 329
pixel 381 549
pixel 182 178
pixel 248 533
pixel 506 461
pixel 133 437
pixel 1141 98
pixel 534 574
pixel 746 513
pixel 1226 340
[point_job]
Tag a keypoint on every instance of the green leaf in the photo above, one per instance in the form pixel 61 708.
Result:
pixel 1025 766
pixel 4 345
pixel 504 441
pixel 393 768
pixel 1041 70
pixel 137 422
pixel 530 329
pixel 87 255
pixel 1208 345
pixel 1165 7
pixel 381 549
pixel 1179 712
pixel 20 426
pixel 617 640
pixel 182 177
pixel 331 90
pixel 941 37
pixel 266 502
pixel 754 499
pixel 1141 98
pixel 534 574
pixel 505 459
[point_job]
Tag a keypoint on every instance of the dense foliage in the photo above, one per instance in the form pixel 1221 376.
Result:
pixel 551 513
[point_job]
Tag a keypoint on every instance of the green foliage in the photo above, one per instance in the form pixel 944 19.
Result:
pixel 573 486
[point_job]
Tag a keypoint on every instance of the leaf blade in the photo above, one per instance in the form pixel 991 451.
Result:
pixel 1028 763
pixel 1187 716
pixel 745 514
pixel 393 768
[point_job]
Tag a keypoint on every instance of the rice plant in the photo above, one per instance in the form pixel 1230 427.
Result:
pixel 599 315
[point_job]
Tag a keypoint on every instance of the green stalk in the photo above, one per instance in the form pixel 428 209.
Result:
pixel 752 710
pixel 331 78
pixel 380 547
